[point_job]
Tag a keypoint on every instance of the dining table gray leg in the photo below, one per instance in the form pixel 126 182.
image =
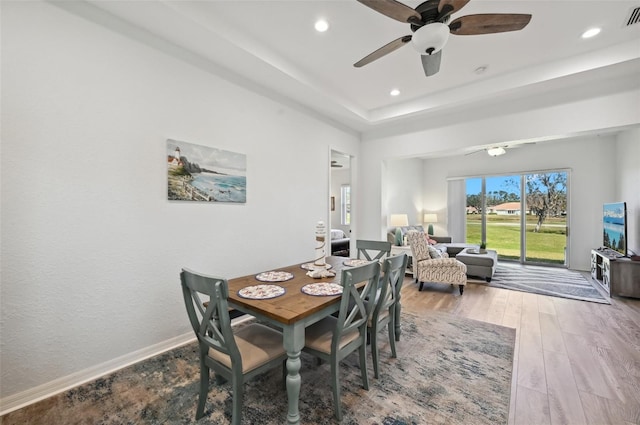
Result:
pixel 293 344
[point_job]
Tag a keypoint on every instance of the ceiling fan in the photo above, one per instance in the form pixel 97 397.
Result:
pixel 428 22
pixel 335 164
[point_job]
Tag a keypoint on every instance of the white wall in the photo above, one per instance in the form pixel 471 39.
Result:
pixel 404 187
pixel 91 249
pixel 627 169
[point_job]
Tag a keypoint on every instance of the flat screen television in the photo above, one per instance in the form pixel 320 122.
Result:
pixel 614 227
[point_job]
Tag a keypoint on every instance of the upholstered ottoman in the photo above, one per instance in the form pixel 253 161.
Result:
pixel 480 265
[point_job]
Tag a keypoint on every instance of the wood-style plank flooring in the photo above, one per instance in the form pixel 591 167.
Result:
pixel 575 362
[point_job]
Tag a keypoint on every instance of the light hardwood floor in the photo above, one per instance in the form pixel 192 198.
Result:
pixel 575 362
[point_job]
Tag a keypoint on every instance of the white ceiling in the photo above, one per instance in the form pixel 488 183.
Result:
pixel 272 47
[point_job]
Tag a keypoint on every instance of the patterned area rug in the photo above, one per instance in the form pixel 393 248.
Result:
pixel 553 281
pixel 449 370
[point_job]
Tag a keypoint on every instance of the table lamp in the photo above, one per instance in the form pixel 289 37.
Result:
pixel 430 218
pixel 399 220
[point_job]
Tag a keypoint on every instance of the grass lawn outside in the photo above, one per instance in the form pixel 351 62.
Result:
pixel 503 235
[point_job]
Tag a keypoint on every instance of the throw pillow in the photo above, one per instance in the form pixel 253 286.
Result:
pixel 434 253
pixel 429 240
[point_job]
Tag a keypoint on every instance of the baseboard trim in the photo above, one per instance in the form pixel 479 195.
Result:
pixel 51 388
pixel 32 395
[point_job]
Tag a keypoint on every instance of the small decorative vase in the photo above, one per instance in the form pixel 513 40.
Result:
pixel 320 246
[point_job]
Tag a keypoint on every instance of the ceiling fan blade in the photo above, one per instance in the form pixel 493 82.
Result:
pixel 474 152
pixel 431 63
pixel 387 48
pixel 393 9
pixel 451 6
pixel 489 23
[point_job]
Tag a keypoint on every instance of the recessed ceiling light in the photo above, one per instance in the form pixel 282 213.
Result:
pixel 321 25
pixel 592 32
pixel 394 92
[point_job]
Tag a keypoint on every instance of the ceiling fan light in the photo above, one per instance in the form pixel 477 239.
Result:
pixel 591 33
pixel 496 151
pixel 430 38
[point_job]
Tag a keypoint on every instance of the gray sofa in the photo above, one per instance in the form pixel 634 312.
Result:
pixel 391 234
pixel 444 242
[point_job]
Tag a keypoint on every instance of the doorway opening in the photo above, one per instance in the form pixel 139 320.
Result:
pixel 340 203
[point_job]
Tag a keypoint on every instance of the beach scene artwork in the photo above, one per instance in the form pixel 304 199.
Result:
pixel 205 174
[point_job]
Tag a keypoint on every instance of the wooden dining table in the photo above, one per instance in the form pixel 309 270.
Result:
pixel 292 312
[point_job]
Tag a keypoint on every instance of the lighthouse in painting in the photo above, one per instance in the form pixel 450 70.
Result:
pixel 174 161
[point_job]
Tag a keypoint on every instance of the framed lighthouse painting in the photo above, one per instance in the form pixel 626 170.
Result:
pixel 205 174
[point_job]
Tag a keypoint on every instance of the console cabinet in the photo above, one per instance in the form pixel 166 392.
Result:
pixel 616 275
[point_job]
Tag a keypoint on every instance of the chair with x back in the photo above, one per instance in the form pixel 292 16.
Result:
pixel 332 339
pixel 373 250
pixel 238 356
pixel 386 310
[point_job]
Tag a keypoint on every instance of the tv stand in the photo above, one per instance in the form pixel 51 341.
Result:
pixel 616 274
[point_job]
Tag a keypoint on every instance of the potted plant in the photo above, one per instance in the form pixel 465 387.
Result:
pixel 483 248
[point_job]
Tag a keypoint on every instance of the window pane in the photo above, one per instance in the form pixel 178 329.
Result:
pixel 503 215
pixel 474 211
pixel 546 206
pixel 345 205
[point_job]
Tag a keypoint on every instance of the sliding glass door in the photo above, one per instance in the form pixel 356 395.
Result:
pixel 523 217
pixel 546 206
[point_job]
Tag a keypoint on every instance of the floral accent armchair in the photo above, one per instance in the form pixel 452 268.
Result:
pixel 426 268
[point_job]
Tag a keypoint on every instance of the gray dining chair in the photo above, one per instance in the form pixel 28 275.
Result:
pixel 372 250
pixel 387 306
pixel 238 356
pixel 333 338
